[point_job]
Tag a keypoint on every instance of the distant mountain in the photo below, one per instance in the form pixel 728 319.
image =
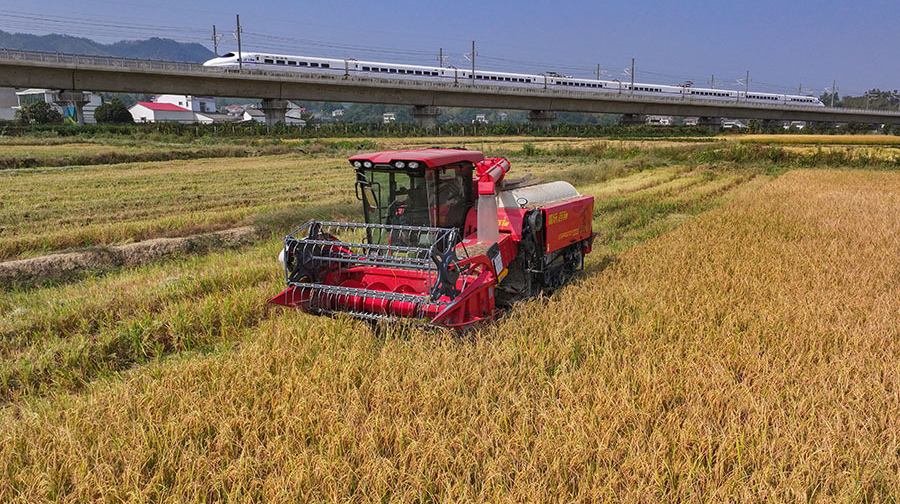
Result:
pixel 154 48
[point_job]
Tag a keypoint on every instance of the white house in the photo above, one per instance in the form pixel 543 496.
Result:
pixel 202 104
pixel 208 118
pixel 29 96
pixel 252 114
pixel 144 112
pixel 292 116
pixel 655 120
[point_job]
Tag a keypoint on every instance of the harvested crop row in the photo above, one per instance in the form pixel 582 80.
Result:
pixel 110 205
pixel 748 355
pixel 63 337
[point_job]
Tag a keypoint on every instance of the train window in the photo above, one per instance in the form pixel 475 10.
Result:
pixel 326 65
pixel 365 69
pixel 313 64
pixel 303 63
pixel 392 70
pixel 269 61
pixel 294 63
pixel 279 62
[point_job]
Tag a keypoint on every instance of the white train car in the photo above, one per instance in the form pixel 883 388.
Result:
pixel 307 64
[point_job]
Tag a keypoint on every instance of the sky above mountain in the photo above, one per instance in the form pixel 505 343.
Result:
pixel 786 46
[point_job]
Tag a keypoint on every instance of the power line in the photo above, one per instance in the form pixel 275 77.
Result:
pixel 93 22
pixel 71 25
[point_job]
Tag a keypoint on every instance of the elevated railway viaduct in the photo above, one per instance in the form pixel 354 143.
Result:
pixel 76 73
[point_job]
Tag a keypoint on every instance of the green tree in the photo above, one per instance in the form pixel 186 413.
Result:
pixel 827 98
pixel 113 112
pixel 39 112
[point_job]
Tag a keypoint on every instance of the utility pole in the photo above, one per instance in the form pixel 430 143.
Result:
pixel 712 82
pixel 240 56
pixel 632 75
pixel 441 58
pixel 800 89
pixel 598 71
pixel 833 91
pixel 473 62
pixel 747 84
pixel 215 42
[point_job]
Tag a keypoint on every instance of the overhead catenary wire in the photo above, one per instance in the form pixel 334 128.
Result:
pixel 254 41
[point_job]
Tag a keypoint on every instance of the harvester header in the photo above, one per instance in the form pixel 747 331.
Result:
pixel 447 239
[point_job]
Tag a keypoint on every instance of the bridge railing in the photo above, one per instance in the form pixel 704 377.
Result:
pixel 106 61
pixel 179 66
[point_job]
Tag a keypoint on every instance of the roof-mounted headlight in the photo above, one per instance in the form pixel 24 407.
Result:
pixel 399 164
pixel 413 165
pixel 357 164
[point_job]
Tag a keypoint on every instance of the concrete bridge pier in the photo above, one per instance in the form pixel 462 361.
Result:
pixel 633 119
pixel 275 111
pixel 74 99
pixel 713 123
pixel 542 118
pixel 425 115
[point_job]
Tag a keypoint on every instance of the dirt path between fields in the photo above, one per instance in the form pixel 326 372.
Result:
pixel 38 269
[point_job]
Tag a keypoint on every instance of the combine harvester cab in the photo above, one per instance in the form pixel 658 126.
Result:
pixel 447 240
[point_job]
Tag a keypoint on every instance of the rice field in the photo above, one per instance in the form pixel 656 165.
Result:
pixel 734 337
pixel 795 139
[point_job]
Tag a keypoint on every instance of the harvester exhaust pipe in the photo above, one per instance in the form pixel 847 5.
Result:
pixel 490 172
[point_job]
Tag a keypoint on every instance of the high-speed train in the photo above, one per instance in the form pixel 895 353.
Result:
pixel 281 62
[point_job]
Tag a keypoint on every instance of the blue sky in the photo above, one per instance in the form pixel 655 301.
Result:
pixel 782 44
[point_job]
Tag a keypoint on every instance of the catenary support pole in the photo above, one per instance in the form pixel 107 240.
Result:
pixel 473 61
pixel 632 75
pixel 240 55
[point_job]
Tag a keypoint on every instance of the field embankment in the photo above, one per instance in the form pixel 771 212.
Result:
pixel 69 264
pixel 749 354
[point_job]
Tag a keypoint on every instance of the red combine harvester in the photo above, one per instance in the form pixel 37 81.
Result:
pixel 438 244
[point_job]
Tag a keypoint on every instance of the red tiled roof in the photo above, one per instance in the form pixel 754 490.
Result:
pixel 163 106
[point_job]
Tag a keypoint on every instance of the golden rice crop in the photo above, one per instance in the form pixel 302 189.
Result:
pixel 823 139
pixel 748 355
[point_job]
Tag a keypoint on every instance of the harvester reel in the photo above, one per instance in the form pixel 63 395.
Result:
pixel 300 260
pixel 447 274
